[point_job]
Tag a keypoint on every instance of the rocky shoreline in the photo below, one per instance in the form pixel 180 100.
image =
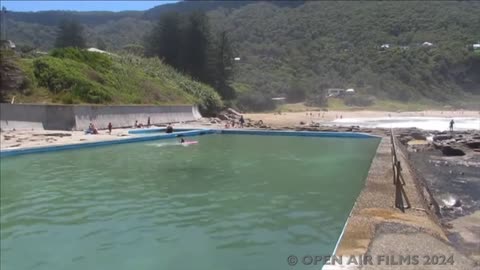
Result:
pixel 448 163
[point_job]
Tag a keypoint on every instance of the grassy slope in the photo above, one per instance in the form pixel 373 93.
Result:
pixel 84 77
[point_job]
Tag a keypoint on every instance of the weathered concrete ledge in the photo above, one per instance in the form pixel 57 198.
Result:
pixel 376 228
pixel 79 117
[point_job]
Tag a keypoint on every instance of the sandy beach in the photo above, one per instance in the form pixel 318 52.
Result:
pixel 294 118
pixel 31 138
pixel 34 138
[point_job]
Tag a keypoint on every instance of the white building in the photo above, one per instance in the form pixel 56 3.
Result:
pixel 7 44
pixel 335 92
pixel 427 44
pixel 97 50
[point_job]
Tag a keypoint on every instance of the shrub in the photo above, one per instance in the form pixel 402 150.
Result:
pixel 64 75
pixel 254 101
pixel 316 98
pixel 97 61
pixel 207 99
pixel 359 100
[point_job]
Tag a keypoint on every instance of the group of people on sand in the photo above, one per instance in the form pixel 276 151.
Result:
pixel 141 125
pixel 93 130
pixel 241 122
pixel 320 115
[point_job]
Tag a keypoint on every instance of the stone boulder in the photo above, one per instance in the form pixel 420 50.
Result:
pixel 232 111
pixel 418 136
pixel 473 144
pixel 450 151
pixel 442 137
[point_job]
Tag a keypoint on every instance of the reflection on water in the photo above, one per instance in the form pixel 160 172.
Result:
pixel 229 202
pixel 427 123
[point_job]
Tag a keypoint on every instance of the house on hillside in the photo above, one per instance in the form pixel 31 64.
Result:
pixel 385 46
pixel 427 44
pixel 476 46
pixel 7 45
pixel 97 50
pixel 335 92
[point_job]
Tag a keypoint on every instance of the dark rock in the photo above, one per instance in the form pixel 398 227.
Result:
pixel 223 117
pixel 418 136
pixel 404 140
pixel 442 137
pixel 457 203
pixel 450 151
pixel 473 144
pixel 232 111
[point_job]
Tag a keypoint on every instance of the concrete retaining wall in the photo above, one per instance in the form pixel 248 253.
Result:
pixel 78 117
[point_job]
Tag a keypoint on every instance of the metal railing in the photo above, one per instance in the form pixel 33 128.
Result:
pixel 401 199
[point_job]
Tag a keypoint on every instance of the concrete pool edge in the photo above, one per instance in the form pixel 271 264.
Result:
pixel 186 133
pixel 376 228
pixel 54 148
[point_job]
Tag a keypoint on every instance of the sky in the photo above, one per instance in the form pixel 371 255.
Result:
pixel 20 5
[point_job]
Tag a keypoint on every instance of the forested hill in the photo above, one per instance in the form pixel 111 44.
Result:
pixel 298 49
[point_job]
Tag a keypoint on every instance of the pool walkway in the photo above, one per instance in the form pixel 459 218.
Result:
pixel 377 229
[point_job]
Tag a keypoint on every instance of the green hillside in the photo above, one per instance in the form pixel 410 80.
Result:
pixel 299 49
pixel 76 76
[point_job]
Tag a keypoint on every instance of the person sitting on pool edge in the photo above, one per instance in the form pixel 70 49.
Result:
pixel 169 129
pixel 91 129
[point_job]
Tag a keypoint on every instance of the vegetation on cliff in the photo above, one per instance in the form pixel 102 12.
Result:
pixel 76 76
pixel 403 52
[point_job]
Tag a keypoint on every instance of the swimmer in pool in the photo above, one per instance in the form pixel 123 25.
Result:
pixel 182 140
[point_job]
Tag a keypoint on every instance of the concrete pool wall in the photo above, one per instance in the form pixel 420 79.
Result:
pixel 78 117
pixel 377 229
pixel 185 133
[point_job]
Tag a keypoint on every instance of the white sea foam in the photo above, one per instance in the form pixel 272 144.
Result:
pixel 427 123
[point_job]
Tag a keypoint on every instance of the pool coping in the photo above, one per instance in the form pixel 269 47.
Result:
pixel 186 133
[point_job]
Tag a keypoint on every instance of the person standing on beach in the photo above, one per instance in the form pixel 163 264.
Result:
pixel 451 125
pixel 110 128
pixel 242 121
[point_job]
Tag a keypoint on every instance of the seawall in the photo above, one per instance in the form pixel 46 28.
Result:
pixel 376 229
pixel 78 117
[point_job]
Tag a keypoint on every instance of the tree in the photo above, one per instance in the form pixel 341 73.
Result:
pixel 70 34
pixel 199 61
pixel 134 49
pixel 296 91
pixel 101 44
pixel 165 40
pixel 224 67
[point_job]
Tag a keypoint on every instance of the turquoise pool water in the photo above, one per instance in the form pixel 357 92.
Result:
pixel 229 202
